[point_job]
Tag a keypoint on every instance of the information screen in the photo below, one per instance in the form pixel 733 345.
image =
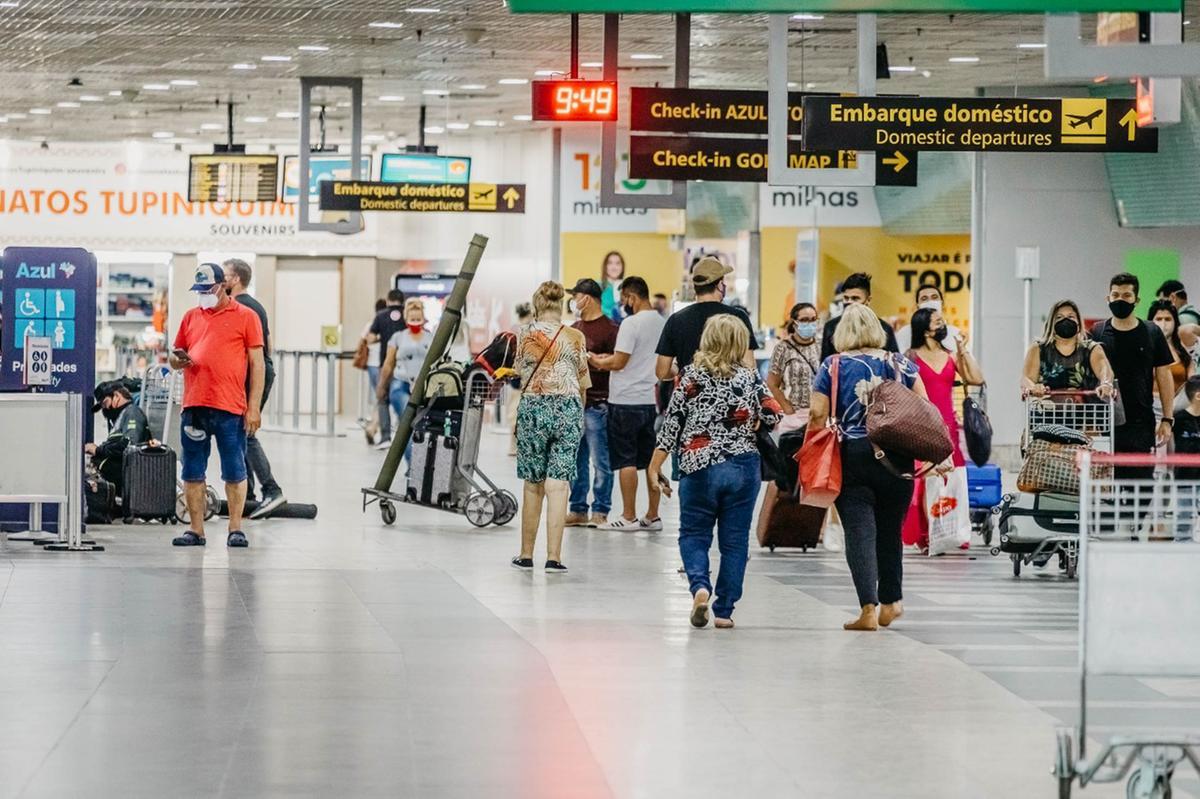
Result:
pixel 321 167
pixel 233 178
pixel 423 168
pixel 574 101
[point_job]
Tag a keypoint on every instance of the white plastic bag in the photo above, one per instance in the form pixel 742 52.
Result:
pixel 947 506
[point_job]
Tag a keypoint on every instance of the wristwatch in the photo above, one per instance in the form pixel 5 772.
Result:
pixel 1169 420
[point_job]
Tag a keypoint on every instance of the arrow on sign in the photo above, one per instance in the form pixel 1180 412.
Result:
pixel 511 196
pixel 898 162
pixel 1130 123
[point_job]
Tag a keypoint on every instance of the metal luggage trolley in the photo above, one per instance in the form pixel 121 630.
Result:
pixel 161 400
pixel 1138 605
pixel 1035 528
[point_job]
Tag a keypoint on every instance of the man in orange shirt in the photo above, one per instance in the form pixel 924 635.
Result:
pixel 218 343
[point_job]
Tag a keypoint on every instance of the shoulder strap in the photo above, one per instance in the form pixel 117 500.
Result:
pixel 549 347
pixel 833 391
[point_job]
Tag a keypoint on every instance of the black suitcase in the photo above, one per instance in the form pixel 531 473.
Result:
pixel 149 474
pixel 101 500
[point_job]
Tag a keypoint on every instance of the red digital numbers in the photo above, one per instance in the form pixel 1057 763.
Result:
pixel 574 101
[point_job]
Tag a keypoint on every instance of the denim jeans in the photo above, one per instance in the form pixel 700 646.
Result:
pixel 399 393
pixel 593 449
pixel 259 466
pixel 723 495
pixel 384 410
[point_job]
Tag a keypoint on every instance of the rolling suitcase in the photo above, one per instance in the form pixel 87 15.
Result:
pixel 789 523
pixel 149 475
pixel 431 470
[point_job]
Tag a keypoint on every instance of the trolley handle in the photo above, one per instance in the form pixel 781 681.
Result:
pixel 1066 393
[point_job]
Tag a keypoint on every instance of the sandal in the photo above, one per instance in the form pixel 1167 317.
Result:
pixel 237 539
pixel 188 539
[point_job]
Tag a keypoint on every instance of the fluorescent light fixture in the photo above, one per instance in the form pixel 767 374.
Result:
pixel 926 73
pixel 287 115
pixel 522 118
pixel 162 134
pixel 10 4
pixel 90 98
pixel 385 25
pixel 376 137
pixel 279 58
pixel 391 98
pixel 964 59
pixel 1031 46
pixel 435 92
pixel 808 16
pixel 3 120
pixel 547 73
pixel 212 126
pixel 423 10
pixel 313 48
pixel 592 64
pixel 115 93
pixel 486 123
pixel 1187 22
pixel 39 112
pixel 793 85
pixel 810 85
pixel 646 57
pixel 435 129
pixel 512 81
pixel 157 87
pixel 16 116
pixel 255 120
pixel 244 66
pixel 902 69
pixel 68 104
pixel 457 125
pixel 473 87
pixel 185 82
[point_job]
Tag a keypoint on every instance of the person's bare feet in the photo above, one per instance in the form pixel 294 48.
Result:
pixel 723 624
pixel 889 613
pixel 867 621
pixel 700 608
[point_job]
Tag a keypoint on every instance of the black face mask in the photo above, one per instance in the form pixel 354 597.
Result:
pixel 940 334
pixel 1066 328
pixel 111 414
pixel 628 309
pixel 1121 309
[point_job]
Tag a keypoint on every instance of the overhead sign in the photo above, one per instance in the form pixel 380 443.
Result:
pixel 834 6
pixel 574 101
pixel 897 168
pixel 365 195
pixel 424 168
pixel 321 167
pixel 1072 124
pixel 707 110
pixel 233 177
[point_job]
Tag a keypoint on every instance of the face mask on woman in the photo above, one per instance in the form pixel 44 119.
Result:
pixel 415 327
pixel 1066 328
pixel 932 305
pixel 805 330
pixel 940 333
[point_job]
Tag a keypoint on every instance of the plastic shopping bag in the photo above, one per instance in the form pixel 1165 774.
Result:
pixel 948 510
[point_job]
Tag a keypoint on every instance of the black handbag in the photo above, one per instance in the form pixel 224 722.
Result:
pixel 977 429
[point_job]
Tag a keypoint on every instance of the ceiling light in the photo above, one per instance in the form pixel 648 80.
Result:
pixel 185 82
pixel 486 123
pixel 420 10
pixel 646 57
pixel 902 69
pixel 255 120
pixel 162 134
pixel 512 81
pixel 212 126
pixel 1187 22
pixel 16 116
pixel 926 73
pixel 157 87
pixel 964 59
pixel 386 25
pixel 343 103
pixel 808 16
pixel 473 87
pixel 68 104
pixel 244 66
pixel 313 48
pixel 3 120
pixel 391 98
pixel 41 112
pixel 810 85
pixel 1031 46
pixel 115 93
pixel 287 115
pixel 374 137
pixel 522 118
pixel 280 58
pixel 435 92
pixel 91 98
pixel 10 4
pixel 592 64
pixel 547 73
pixel 435 129
pixel 457 125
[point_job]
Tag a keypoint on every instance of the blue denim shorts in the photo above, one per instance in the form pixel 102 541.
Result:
pixel 200 427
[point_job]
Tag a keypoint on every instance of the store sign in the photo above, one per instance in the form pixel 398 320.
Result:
pixel 1073 124
pixel 579 189
pixel 817 207
pixel 724 159
pixel 834 6
pixel 366 195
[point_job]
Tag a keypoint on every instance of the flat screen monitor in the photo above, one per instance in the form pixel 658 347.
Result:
pixel 229 177
pixel 322 167
pixel 424 168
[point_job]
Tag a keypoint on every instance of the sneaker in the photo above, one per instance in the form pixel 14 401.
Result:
pixel 621 523
pixel 555 567
pixel 522 563
pixel 188 539
pixel 385 444
pixel 576 520
pixel 269 504
pixel 237 539
pixel 598 520
pixel 651 525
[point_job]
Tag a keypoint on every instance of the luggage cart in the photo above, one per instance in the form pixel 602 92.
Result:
pixel 1138 602
pixel 1036 528
pixel 161 400
pixel 470 491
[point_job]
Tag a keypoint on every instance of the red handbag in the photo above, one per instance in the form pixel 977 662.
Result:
pixel 820 458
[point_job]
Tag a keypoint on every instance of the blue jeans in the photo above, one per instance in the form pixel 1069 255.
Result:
pixel 200 426
pixel 723 495
pixel 593 448
pixel 398 394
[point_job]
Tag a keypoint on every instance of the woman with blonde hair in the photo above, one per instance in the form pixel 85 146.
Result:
pixel 552 361
pixel 406 351
pixel 714 412
pixel 874 497
pixel 1065 358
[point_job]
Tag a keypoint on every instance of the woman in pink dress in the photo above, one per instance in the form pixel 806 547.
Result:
pixel 939 369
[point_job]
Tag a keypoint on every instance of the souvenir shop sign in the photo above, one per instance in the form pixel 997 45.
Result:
pixel 1072 124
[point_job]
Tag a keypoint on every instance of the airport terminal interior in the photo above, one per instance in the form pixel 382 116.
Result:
pixel 600 398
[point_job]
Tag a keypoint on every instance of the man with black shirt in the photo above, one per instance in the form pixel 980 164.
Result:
pixel 237 279
pixel 855 289
pixel 1140 360
pixel 387 323
pixel 601 335
pixel 128 427
pixel 681 336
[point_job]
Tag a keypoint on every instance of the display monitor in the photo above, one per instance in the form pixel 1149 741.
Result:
pixel 574 101
pixel 321 167
pixel 233 177
pixel 424 168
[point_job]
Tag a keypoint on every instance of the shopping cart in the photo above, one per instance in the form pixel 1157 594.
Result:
pixel 1139 602
pixel 1036 528
pixel 161 399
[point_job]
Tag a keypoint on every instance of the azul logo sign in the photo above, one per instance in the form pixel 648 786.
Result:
pixel 47 272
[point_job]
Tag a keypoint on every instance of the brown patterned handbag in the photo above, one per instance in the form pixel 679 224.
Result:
pixel 901 422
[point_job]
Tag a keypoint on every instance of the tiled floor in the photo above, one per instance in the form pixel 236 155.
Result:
pixel 340 657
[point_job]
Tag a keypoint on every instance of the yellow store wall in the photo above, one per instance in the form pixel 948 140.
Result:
pixel 647 255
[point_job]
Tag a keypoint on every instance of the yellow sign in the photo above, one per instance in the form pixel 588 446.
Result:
pixel 1084 120
pixel 482 197
pixel 331 338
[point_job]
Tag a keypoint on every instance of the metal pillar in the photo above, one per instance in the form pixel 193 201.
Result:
pixel 353 222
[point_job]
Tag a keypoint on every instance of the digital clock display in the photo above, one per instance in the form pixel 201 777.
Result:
pixel 574 101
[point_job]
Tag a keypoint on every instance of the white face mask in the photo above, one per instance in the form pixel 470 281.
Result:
pixel 207 301
pixel 933 305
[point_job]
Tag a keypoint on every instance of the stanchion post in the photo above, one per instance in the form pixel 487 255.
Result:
pixel 316 381
pixel 330 393
pixel 296 391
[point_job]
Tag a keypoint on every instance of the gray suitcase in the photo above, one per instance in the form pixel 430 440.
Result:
pixel 431 471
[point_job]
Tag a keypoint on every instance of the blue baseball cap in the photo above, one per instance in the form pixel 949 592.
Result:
pixel 207 276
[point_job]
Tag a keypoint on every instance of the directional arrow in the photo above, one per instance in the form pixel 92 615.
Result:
pixel 1130 123
pixel 898 162
pixel 510 197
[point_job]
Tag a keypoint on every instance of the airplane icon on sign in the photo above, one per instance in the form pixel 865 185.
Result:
pixel 486 193
pixel 1080 120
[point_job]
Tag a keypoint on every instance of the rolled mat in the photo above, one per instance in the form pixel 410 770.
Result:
pixel 288 510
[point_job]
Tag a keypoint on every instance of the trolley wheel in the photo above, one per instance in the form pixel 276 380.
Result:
pixel 479 509
pixel 387 511
pixel 212 502
pixel 506 507
pixel 995 551
pixel 1160 789
pixel 771 547
pixel 1072 566
pixel 988 530
pixel 1016 559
